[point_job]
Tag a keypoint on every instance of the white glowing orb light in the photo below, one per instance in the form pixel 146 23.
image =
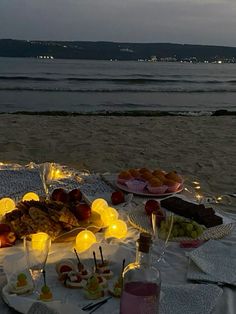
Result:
pixel 30 196
pixel 99 205
pixel 109 215
pixel 84 240
pixel 117 229
pixel 6 205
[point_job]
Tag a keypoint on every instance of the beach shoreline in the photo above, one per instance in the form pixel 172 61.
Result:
pixel 129 113
pixel 202 147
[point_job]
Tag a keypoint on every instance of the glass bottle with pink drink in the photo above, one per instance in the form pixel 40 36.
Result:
pixel 141 282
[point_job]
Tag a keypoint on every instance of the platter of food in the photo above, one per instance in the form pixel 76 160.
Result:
pixel 190 221
pixel 72 283
pixel 147 182
pixel 62 217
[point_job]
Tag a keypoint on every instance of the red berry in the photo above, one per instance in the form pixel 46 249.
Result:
pixel 117 197
pixel 151 206
pixel 4 228
pixel 60 195
pixel 82 211
pixel 7 239
pixel 75 195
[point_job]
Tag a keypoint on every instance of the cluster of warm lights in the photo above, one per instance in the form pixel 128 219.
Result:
pixel 57 173
pixel 209 198
pixel 116 228
pixel 7 204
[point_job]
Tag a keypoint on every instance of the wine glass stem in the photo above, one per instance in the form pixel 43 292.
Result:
pixel 36 276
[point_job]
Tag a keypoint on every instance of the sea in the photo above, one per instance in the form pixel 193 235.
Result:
pixel 89 86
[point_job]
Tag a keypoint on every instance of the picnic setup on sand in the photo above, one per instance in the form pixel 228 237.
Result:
pixel 140 241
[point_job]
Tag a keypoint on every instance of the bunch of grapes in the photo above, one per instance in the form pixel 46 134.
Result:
pixel 182 228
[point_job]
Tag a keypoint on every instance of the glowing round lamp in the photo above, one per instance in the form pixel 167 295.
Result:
pixel 39 240
pixel 84 240
pixel 98 205
pixel 31 196
pixel 118 229
pixel 109 215
pixel 6 205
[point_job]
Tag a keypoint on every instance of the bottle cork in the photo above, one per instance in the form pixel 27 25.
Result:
pixel 144 241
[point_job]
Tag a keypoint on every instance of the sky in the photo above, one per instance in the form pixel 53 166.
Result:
pixel 210 22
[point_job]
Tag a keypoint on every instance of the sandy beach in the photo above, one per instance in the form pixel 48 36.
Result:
pixel 197 147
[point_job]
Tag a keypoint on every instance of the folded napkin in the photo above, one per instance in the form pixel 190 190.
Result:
pixel 189 298
pixel 213 261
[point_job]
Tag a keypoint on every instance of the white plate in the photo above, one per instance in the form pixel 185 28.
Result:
pixel 138 219
pixel 66 300
pixel 146 192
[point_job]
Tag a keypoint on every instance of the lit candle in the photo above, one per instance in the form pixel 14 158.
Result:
pixel 98 205
pixel 117 229
pixel 109 215
pixel 6 205
pixel 30 196
pixel 84 240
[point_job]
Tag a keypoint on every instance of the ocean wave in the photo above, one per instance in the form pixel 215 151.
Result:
pixel 118 90
pixel 220 112
pixel 127 80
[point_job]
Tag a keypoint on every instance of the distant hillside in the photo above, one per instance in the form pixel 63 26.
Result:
pixel 112 50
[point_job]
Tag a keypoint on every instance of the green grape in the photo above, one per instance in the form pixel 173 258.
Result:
pixel 194 234
pixel 177 219
pixel 163 224
pixel 174 233
pixel 189 227
pixel 199 230
pixel 181 232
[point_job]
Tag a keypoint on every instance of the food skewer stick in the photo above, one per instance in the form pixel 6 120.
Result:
pixel 80 265
pixel 123 266
pixel 77 256
pixel 95 261
pixel 100 249
pixel 44 277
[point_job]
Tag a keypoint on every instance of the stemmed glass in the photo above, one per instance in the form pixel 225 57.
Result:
pixel 36 249
pixel 162 227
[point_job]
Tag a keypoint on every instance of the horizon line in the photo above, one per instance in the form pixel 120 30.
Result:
pixel 119 42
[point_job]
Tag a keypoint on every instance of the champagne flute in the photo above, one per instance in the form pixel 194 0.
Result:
pixel 36 249
pixel 162 226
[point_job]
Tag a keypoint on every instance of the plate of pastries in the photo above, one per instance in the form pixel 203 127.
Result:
pixel 148 182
